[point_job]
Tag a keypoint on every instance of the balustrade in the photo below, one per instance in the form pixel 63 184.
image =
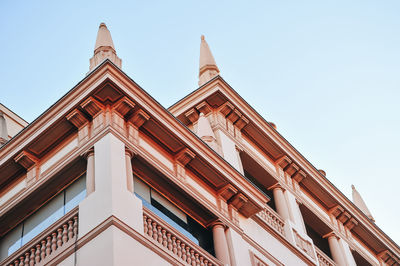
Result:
pixel 46 245
pixel 271 218
pixel 177 245
pixel 323 259
pixel 303 244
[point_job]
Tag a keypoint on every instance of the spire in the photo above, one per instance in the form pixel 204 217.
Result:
pixel 3 129
pixel 204 130
pixel 359 202
pixel 207 67
pixel 104 48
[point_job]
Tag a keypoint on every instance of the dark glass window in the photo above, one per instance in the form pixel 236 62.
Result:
pixel 175 217
pixel 267 192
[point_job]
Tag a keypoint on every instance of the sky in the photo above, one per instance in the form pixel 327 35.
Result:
pixel 325 72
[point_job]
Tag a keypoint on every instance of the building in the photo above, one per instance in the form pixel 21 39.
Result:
pixel 108 176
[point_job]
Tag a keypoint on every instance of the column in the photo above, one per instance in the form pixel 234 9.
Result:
pixel 220 244
pixel 129 171
pixel 90 183
pixel 280 201
pixel 336 251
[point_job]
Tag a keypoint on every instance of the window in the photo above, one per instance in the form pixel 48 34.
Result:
pixel 174 216
pixel 41 219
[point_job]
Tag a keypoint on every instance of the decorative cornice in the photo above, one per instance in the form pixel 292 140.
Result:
pixel 139 118
pixel 192 115
pixel 26 159
pixel 227 191
pixel 283 161
pixel 299 176
pixel 291 169
pixel 77 118
pixel 185 156
pixel 123 106
pixel 204 107
pixel 92 106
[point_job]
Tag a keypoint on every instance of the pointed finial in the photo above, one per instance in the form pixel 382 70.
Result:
pixel 104 48
pixel 3 130
pixel 207 67
pixel 359 202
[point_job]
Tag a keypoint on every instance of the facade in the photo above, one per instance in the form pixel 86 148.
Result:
pixel 108 176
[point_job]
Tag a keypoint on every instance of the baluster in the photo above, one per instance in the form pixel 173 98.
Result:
pixel 205 262
pixel 201 261
pixel 70 230
pixel 183 251
pixel 150 231
pixel 26 261
pixel 59 237
pixel 188 259
pixel 48 245
pixel 197 258
pixel 53 242
pixel 21 261
pixel 16 263
pixel 43 250
pixel 169 241
pixel 145 224
pixel 192 258
pixel 32 257
pixel 179 249
pixel 75 226
pixel 64 234
pixel 37 253
pixel 155 233
pixel 165 241
pixel 159 234
pixel 174 249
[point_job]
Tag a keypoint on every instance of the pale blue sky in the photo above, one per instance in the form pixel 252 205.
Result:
pixel 326 72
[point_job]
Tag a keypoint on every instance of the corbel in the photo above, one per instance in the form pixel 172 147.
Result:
pixel 30 163
pixel 344 217
pixel 283 161
pixel 77 118
pixel 192 115
pixel 204 107
pixel 387 257
pixel 139 118
pixel 182 159
pixel 224 194
pixel 299 176
pixel 336 211
pixel 134 123
pixel 234 116
pixel 351 223
pixel 123 106
pixel 226 108
pixel 234 204
pixel 291 169
pixel 241 122
pixel 92 106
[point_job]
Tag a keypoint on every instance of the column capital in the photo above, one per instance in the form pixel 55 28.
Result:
pixel 218 223
pixel 332 234
pixel 129 152
pixel 88 152
pixel 277 186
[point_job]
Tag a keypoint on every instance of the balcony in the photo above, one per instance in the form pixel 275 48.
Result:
pixel 45 247
pixel 175 243
pixel 323 259
pixel 271 218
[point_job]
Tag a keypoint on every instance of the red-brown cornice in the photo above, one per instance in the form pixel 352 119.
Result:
pixel 218 84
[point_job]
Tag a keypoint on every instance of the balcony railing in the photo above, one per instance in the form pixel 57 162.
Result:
pixel 48 244
pixel 172 241
pixel 323 259
pixel 303 244
pixel 270 217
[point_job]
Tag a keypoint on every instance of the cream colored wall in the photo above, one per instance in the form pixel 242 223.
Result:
pixel 263 238
pixel 14 123
pixel 14 190
pixel 229 151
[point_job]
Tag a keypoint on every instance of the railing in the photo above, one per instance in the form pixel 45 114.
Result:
pixel 48 244
pixel 323 259
pixel 303 244
pixel 270 217
pixel 177 245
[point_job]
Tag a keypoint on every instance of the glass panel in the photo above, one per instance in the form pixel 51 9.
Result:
pixel 10 242
pixel 168 205
pixel 142 189
pixel 75 193
pixel 43 218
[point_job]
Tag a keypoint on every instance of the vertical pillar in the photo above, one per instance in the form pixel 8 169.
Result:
pixel 280 201
pixel 129 171
pixel 220 244
pixel 90 183
pixel 336 251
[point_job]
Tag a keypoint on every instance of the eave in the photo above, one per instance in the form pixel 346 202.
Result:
pixel 314 182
